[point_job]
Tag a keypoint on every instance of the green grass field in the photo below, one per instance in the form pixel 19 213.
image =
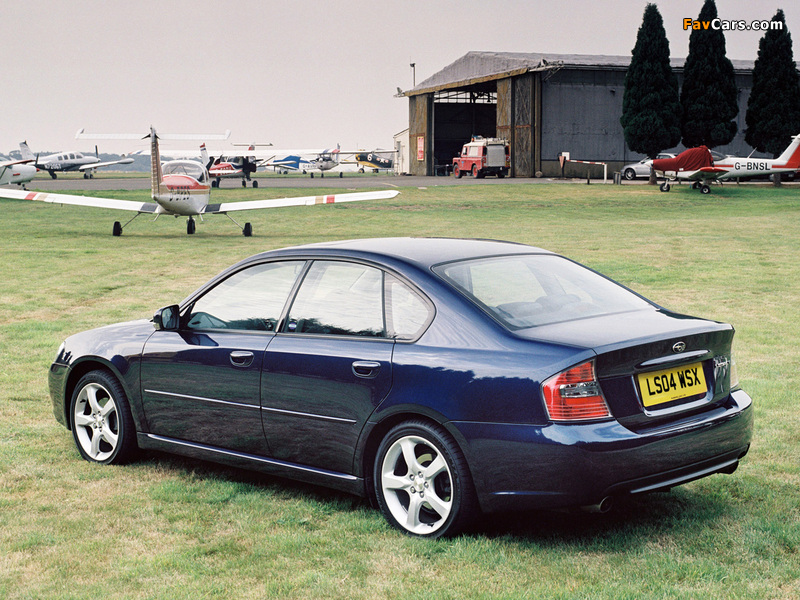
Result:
pixel 166 527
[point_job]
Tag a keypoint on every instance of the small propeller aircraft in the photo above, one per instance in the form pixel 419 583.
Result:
pixel 229 166
pixel 374 160
pixel 697 165
pixel 181 188
pixel 307 161
pixel 17 171
pixel 69 161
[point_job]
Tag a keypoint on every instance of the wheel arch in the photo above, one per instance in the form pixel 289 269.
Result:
pixel 80 369
pixel 373 436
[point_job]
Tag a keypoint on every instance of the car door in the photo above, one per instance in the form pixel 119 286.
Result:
pixel 202 383
pixel 329 368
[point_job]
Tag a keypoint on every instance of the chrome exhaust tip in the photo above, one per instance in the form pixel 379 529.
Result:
pixel 601 507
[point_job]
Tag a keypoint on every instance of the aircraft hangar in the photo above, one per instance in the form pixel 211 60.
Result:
pixel 543 104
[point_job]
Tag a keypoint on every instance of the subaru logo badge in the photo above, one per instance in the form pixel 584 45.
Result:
pixel 678 347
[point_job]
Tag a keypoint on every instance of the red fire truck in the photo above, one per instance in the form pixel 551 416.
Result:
pixel 483 156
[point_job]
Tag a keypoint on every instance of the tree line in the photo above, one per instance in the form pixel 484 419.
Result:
pixel 657 115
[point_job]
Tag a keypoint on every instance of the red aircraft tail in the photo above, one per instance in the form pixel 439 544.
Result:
pixel 791 156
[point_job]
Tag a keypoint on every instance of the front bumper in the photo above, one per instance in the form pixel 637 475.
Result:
pixel 57 382
pixel 518 467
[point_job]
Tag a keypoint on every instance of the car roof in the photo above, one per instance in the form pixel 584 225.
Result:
pixel 423 252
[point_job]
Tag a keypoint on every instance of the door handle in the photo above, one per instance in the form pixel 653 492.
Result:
pixel 366 369
pixel 241 358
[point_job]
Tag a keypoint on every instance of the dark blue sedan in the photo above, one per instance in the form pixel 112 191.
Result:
pixel 442 378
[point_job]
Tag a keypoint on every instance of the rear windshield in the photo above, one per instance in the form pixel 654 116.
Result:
pixel 530 290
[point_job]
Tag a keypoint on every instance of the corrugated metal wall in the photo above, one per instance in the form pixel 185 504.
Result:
pixel 582 110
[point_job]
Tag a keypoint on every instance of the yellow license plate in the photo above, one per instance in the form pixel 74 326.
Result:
pixel 669 385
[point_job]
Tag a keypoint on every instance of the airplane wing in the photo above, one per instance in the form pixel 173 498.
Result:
pixel 142 207
pixel 122 161
pixel 201 137
pixel 9 163
pixel 706 173
pixel 301 201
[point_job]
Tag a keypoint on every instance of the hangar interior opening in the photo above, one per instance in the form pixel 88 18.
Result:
pixel 457 116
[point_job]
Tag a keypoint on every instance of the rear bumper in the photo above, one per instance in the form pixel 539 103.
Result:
pixel 517 467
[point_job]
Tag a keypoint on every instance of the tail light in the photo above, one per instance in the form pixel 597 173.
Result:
pixel 575 395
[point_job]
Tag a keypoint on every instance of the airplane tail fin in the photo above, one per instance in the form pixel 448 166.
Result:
pixel 26 151
pixel 155 165
pixel 204 156
pixel 791 156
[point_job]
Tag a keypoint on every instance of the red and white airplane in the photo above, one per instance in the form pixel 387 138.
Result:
pixel 697 165
pixel 181 188
pixel 240 167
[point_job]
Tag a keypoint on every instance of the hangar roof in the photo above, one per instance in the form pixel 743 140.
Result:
pixel 477 68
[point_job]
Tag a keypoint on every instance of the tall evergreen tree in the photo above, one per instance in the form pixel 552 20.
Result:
pixel 708 95
pixel 773 108
pixel 651 110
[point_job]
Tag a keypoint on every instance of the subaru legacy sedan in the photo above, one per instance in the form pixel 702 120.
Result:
pixel 444 379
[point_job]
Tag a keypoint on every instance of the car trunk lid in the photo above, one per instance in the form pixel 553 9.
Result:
pixel 654 367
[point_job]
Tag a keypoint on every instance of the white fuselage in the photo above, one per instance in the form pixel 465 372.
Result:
pixel 748 167
pixel 183 188
pixel 65 161
pixel 19 174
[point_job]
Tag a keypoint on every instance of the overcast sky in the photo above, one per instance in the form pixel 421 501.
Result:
pixel 296 74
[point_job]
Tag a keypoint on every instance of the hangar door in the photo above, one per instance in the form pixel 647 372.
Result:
pixel 519 118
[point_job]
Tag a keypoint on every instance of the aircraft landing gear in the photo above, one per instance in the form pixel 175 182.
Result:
pixel 704 189
pixel 53 175
pixel 664 187
pixel 247 230
pixel 244 183
pixel 117 231
pixel 190 226
pixel 255 184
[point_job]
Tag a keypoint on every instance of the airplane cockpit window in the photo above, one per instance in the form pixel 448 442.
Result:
pixel 185 167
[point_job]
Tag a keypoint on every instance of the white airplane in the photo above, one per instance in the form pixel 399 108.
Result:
pixel 69 161
pixel 16 171
pixel 307 161
pixel 181 188
pixel 697 165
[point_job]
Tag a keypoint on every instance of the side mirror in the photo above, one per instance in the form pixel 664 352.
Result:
pixel 167 318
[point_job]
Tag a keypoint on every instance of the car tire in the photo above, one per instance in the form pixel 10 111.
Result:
pixel 102 424
pixel 630 174
pixel 422 482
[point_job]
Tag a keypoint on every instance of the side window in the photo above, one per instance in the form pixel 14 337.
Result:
pixel 339 298
pixel 406 312
pixel 251 299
